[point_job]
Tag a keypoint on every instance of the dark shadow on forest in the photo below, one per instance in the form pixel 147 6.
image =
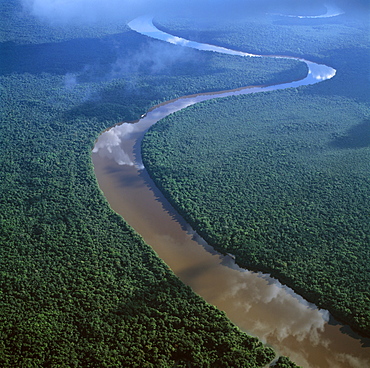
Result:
pixel 356 137
pixel 67 56
pixel 352 74
pixel 100 59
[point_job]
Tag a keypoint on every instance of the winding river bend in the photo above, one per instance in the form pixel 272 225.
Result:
pixel 255 302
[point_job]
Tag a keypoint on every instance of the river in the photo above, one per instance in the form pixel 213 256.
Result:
pixel 255 302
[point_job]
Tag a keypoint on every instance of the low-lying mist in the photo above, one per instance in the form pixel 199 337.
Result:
pixel 91 11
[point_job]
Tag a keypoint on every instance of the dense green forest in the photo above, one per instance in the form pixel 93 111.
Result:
pixel 78 287
pixel 281 179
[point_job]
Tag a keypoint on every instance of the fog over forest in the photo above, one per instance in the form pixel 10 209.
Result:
pixel 89 11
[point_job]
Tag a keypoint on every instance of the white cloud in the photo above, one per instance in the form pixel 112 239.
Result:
pixel 109 144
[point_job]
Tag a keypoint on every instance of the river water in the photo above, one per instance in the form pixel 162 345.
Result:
pixel 255 302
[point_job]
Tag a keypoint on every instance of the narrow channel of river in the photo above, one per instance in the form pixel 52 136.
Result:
pixel 255 302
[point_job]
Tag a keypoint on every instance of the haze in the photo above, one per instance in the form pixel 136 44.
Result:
pixel 90 11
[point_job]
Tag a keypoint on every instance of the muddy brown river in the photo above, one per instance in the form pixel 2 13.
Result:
pixel 255 302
